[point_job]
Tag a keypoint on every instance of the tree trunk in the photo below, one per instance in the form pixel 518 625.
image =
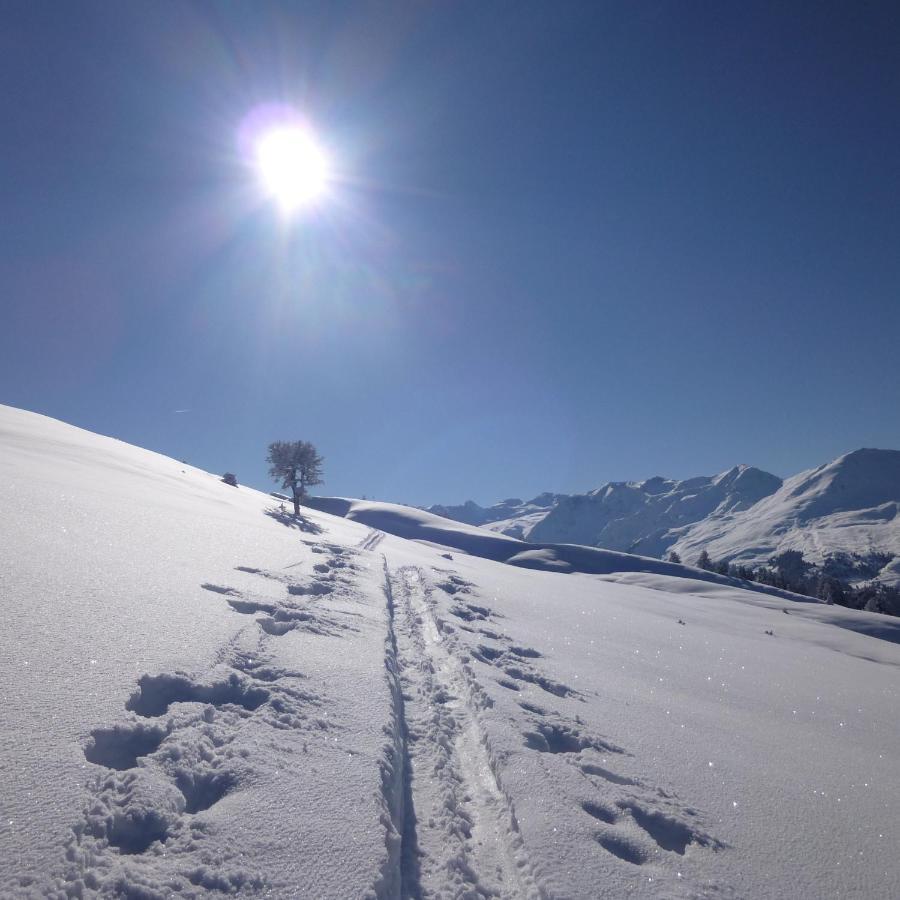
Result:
pixel 296 494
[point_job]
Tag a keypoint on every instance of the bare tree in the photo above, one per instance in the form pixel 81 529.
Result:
pixel 297 465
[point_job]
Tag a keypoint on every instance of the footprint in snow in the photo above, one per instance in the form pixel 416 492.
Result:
pixel 470 612
pixel 283 620
pixel 248 607
pixel 524 652
pixel 453 584
pixel 133 812
pixel 553 738
pixel 261 669
pixel 275 628
pixel 600 812
pixel 668 828
pixel 120 746
pixel 156 693
pixel 491 654
pixel 314 589
pixel 518 673
pixel 492 635
pixel 622 847
pixel 279 619
pixel 667 831
pixel 202 789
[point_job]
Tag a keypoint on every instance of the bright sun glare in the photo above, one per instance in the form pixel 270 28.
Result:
pixel 293 168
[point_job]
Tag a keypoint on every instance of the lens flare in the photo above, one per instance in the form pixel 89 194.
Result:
pixel 292 167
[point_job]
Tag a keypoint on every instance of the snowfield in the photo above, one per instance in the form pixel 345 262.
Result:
pixel 203 696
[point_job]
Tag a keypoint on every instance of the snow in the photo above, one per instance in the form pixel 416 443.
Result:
pixel 628 515
pixel 123 600
pixel 512 516
pixel 744 515
pixel 634 516
pixel 422 526
pixel 204 696
pixel 849 505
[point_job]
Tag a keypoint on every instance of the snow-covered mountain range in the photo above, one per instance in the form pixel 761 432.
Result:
pixel 204 696
pixel 848 506
pixel 514 517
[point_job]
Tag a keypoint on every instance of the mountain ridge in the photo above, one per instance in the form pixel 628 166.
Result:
pixel 742 515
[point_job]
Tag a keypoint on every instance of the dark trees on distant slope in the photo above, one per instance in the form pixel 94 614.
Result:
pixel 297 465
pixel 790 565
pixel 789 571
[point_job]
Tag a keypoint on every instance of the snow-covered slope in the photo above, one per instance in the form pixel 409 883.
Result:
pixel 177 715
pixel 849 505
pixel 202 697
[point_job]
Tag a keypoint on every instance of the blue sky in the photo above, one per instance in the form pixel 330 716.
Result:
pixel 569 243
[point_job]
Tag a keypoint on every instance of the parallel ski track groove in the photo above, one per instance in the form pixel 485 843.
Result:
pixel 468 844
pixel 403 881
pixel 371 540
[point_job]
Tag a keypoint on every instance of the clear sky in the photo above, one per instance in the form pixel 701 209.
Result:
pixel 565 243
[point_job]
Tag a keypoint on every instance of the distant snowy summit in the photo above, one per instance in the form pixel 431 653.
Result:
pixel 844 512
pixel 513 516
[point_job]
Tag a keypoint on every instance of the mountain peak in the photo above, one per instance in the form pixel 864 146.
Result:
pixel 860 479
pixel 868 456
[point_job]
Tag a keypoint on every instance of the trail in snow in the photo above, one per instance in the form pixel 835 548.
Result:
pixel 190 742
pixel 371 540
pixel 460 837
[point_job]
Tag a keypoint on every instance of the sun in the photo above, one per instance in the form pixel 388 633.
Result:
pixel 292 167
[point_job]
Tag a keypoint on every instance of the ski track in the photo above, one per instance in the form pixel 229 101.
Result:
pixel 450 827
pixel 371 540
pixel 459 833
